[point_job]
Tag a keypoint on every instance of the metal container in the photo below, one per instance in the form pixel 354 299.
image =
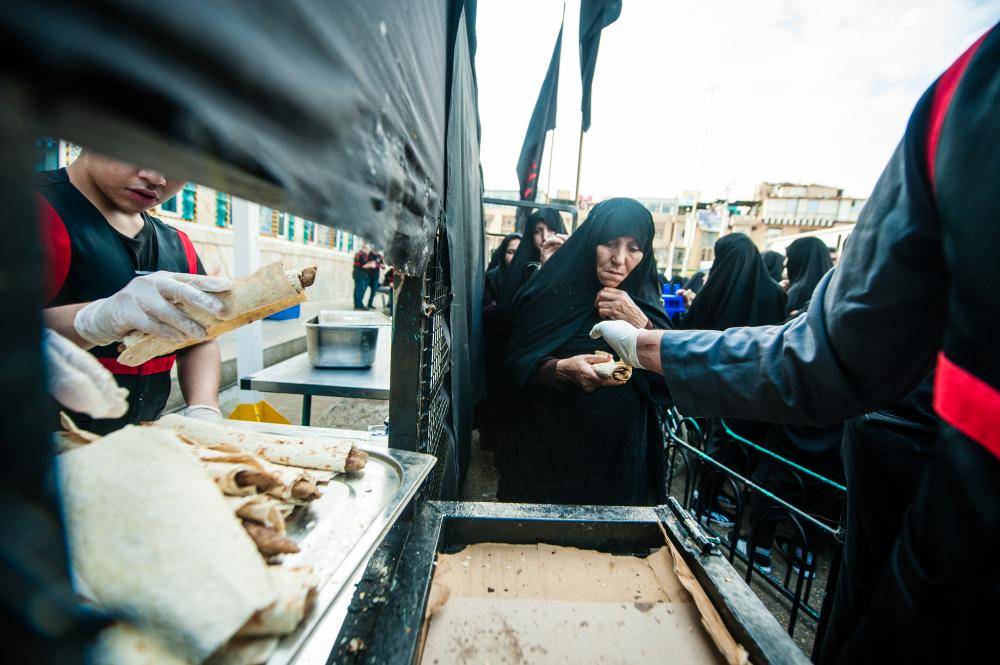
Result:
pixel 343 339
pixel 445 526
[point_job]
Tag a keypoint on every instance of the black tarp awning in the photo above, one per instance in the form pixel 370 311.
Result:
pixel 334 111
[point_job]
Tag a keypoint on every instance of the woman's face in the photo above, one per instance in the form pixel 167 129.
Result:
pixel 616 259
pixel 512 246
pixel 541 234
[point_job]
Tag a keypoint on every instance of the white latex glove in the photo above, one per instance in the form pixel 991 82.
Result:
pixel 620 336
pixel 79 382
pixel 202 412
pixel 146 304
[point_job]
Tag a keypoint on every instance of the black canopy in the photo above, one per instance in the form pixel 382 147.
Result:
pixel 335 111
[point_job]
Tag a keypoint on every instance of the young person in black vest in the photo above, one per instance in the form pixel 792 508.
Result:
pixel 112 269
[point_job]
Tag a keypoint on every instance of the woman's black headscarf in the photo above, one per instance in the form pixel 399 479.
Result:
pixel 526 254
pixel 696 282
pixel 775 264
pixel 739 292
pixel 555 310
pixel 495 273
pixel 808 260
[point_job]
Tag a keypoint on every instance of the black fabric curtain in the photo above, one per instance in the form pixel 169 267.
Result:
pixel 464 224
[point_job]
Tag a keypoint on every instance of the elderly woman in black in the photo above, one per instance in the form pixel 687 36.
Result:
pixel 580 438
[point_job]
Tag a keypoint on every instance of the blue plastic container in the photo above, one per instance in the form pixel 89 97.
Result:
pixel 286 314
pixel 673 305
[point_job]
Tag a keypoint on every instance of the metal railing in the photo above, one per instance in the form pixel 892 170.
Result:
pixel 690 468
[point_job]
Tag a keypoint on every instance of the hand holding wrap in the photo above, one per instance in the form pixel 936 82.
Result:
pixel 622 337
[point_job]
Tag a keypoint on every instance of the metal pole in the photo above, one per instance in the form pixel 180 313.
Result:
pixel 246 259
pixel 579 163
pixel 548 178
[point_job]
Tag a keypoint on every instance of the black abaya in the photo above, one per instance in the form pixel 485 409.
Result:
pixel 526 255
pixel 496 272
pixel 808 260
pixel 740 291
pixel 570 446
pixel 775 264
pixel 695 283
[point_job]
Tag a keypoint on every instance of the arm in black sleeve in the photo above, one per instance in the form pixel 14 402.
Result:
pixel 868 338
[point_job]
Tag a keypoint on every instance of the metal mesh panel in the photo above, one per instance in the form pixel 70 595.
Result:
pixel 434 415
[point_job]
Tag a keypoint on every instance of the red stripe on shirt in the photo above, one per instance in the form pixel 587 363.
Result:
pixel 55 239
pixel 154 366
pixel 944 91
pixel 189 253
pixel 968 404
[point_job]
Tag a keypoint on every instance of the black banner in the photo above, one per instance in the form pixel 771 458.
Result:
pixel 595 15
pixel 543 118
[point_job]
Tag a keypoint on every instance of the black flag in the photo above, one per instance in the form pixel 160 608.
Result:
pixel 543 118
pixel 595 15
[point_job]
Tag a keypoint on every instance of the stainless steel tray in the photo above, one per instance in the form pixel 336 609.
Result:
pixel 338 532
pixel 349 343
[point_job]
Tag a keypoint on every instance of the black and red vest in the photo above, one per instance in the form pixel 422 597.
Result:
pixel 962 164
pixel 87 261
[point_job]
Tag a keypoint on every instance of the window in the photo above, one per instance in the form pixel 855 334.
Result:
pixel 189 201
pixel 46 155
pixel 308 231
pixel 812 207
pixel 264 222
pixel 170 205
pixel 222 209
pixel 291 227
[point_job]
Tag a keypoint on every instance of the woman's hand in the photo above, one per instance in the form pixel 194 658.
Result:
pixel 616 305
pixel 580 370
pixel 688 296
pixel 551 246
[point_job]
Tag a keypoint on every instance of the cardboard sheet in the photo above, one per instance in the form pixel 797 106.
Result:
pixel 501 603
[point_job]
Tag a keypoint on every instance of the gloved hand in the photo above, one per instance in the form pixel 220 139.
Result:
pixel 202 412
pixel 79 382
pixel 146 304
pixel 620 336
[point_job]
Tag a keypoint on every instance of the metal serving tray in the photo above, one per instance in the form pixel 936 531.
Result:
pixel 338 532
pixel 349 342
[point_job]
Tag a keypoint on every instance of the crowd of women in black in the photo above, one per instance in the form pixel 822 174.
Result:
pixel 562 434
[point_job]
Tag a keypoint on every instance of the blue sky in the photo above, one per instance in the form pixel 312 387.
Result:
pixel 716 95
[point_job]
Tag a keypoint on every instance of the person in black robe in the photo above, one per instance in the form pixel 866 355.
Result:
pixel 695 282
pixel 739 293
pixel 503 255
pixel 808 261
pixel 491 412
pixel 579 439
pixel 775 264
pixel 543 224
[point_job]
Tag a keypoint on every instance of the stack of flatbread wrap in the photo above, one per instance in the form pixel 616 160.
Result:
pixel 172 526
